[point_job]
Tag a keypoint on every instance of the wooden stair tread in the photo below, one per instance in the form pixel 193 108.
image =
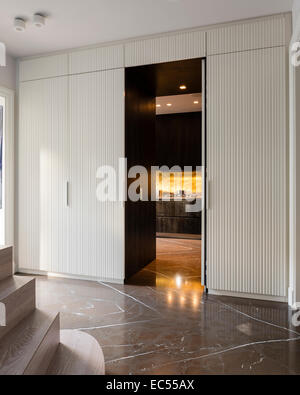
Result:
pixel 78 354
pixel 6 262
pixel 17 301
pixel 11 285
pixel 19 347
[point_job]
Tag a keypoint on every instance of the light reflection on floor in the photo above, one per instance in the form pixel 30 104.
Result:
pixel 176 270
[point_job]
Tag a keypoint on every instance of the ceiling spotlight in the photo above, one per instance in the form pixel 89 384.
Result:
pixel 19 25
pixel 169 105
pixel 39 20
pixel 158 105
pixel 196 102
pixel 182 87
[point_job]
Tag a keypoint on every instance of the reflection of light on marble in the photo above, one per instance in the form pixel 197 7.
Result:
pixel 178 281
pixel 170 298
pixel 245 328
pixel 193 285
pixel 182 300
pixel 195 301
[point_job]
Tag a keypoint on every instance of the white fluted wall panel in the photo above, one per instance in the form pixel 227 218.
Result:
pixel 43 149
pixel 44 67
pixel 264 33
pixel 96 59
pixel 167 48
pixel 97 138
pixel 247 172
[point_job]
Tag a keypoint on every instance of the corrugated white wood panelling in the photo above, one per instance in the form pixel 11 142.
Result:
pixel 264 33
pixel 167 48
pixel 45 67
pixel 97 138
pixel 96 59
pixel 42 173
pixel 247 172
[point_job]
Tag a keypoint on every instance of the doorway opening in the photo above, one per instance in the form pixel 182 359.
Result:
pixel 165 134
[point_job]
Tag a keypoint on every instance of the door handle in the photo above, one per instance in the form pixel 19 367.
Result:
pixel 208 193
pixel 67 194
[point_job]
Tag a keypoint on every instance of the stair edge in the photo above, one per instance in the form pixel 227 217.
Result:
pixel 44 353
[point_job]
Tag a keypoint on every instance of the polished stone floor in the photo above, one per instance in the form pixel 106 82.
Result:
pixel 163 323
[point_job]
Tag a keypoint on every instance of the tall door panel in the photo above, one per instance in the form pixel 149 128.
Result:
pixel 97 139
pixel 247 172
pixel 140 120
pixel 42 173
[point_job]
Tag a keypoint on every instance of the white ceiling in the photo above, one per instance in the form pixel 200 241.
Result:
pixel 180 104
pixel 75 23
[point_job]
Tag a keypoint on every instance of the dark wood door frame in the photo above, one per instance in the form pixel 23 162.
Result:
pixel 140 149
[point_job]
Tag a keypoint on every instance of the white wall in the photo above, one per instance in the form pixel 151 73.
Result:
pixel 8 73
pixel 294 287
pixel 295 217
pixel 296 11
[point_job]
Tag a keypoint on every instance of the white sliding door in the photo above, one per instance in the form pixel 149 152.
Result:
pixel 43 148
pixel 247 172
pixel 69 126
pixel 96 139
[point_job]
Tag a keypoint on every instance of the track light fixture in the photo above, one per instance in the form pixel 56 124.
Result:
pixel 39 20
pixel 19 25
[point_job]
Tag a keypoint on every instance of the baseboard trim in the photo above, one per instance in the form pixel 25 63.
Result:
pixel 70 276
pixel 291 297
pixel 282 299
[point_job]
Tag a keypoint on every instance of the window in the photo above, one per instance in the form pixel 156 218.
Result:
pixel 2 112
pixel 6 166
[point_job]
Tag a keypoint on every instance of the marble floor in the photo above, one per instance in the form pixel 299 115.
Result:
pixel 163 323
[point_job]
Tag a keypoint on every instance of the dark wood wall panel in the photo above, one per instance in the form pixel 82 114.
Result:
pixel 140 217
pixel 174 209
pixel 178 139
pixel 179 225
pixel 171 217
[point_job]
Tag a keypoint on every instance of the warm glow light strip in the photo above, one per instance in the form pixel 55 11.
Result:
pixel 173 183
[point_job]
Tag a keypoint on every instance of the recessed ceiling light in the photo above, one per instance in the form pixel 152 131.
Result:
pixel 19 25
pixel 158 105
pixel 196 102
pixel 182 87
pixel 169 105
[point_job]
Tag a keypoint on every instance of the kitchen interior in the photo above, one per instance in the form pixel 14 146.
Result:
pixel 178 147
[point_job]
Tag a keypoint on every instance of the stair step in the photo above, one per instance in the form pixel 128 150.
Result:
pixel 17 301
pixel 6 262
pixel 29 347
pixel 78 354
